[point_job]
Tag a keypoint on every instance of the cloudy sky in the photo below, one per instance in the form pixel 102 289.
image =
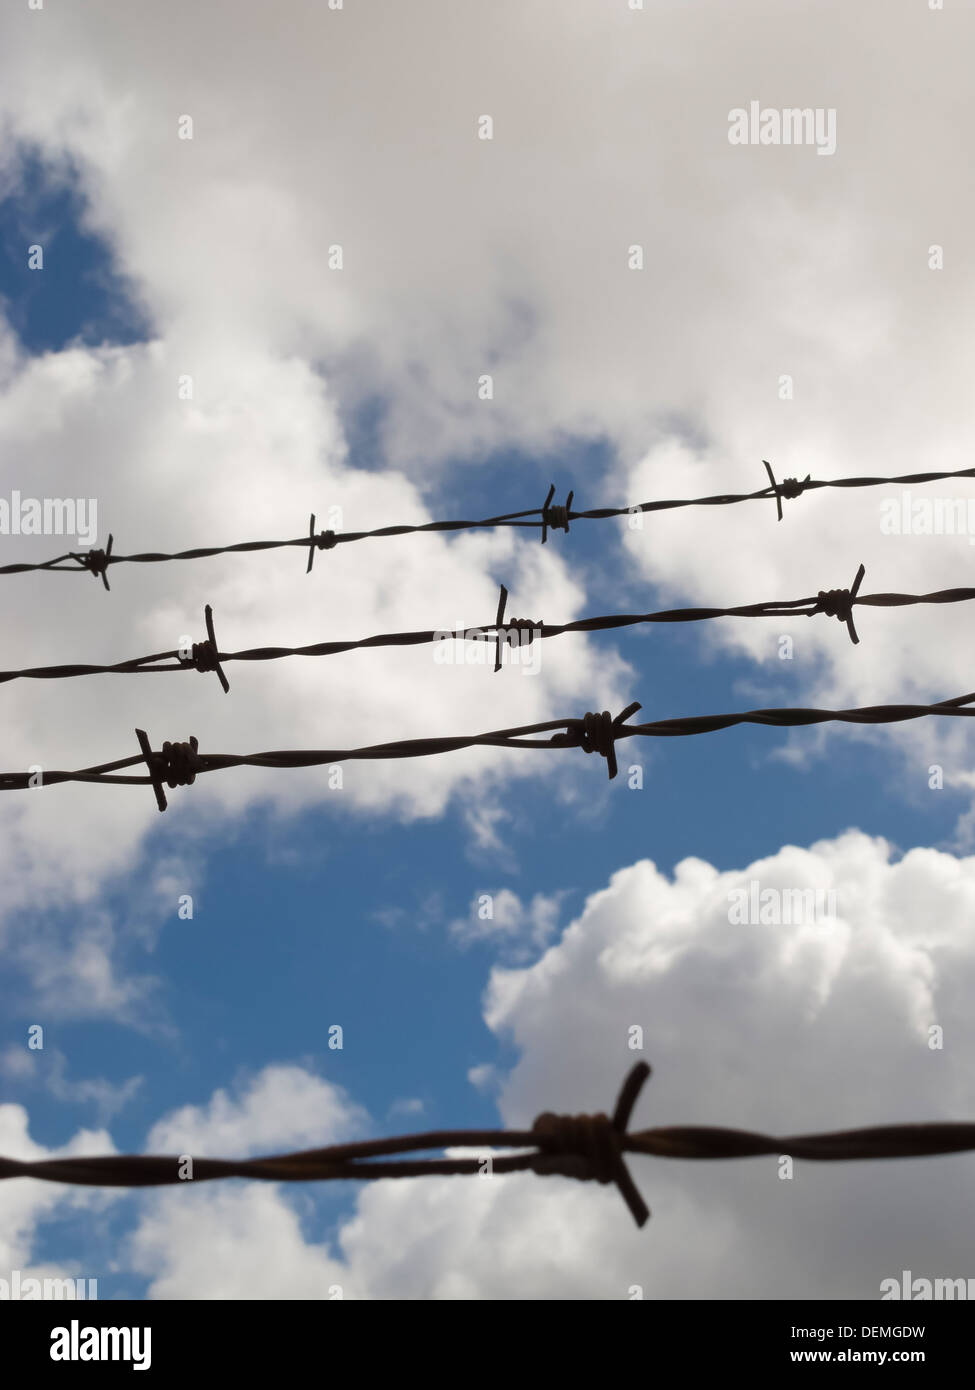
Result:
pixel 659 309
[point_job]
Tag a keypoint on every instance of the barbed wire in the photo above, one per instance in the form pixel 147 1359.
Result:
pixel 178 764
pixel 516 632
pixel 545 518
pixel 590 1148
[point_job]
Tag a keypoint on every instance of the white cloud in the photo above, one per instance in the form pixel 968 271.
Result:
pixel 409 1106
pixel 24 1204
pixel 281 1106
pixel 461 257
pixel 16 1063
pixel 484 1076
pixel 784 1029
pixel 75 974
pixel 513 258
pixel 503 918
pixel 49 1067
pixel 758 262
pixel 243 463
pixel 214 1242
pixel 232 1243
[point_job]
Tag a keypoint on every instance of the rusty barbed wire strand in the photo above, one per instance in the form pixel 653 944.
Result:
pixel 178 764
pixel 589 1148
pixel 206 657
pixel 547 517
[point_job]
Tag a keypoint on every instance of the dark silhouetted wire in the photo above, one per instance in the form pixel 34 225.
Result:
pixel 837 603
pixel 545 518
pixel 177 764
pixel 590 1148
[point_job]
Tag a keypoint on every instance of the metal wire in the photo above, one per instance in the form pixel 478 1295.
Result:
pixel 544 519
pixel 178 764
pixel 587 1147
pixel 205 656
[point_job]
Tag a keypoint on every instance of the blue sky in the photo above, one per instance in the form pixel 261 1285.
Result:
pixel 291 929
pixel 80 295
pixel 311 909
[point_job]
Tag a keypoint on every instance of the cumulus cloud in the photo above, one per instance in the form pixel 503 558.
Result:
pixel 758 262
pixel 231 1244
pixel 281 1105
pixel 516 252
pixel 191 1243
pixel 423 305
pixel 854 1018
pixel 510 257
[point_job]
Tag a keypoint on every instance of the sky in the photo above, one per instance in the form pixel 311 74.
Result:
pixel 190 355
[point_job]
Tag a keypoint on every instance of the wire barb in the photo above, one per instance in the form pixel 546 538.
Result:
pixel 181 763
pixel 543 518
pixel 594 733
pixel 597 733
pixel 838 603
pixel 585 1147
pixel 788 488
pixel 528 629
pixel 555 518
pixel 205 655
pixel 96 562
pixel 325 540
pixel 590 1147
pixel 177 765
pixel 525 628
